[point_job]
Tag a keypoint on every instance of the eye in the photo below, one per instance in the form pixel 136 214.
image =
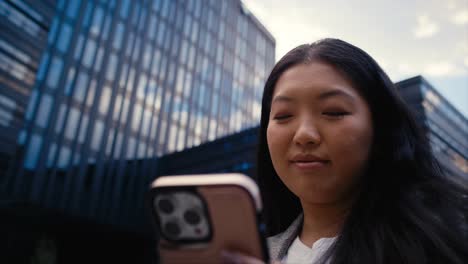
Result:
pixel 335 113
pixel 281 117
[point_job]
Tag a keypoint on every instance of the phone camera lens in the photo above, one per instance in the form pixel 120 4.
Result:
pixel 165 206
pixel 172 229
pixel 192 217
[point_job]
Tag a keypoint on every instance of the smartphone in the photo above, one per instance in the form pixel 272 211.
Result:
pixel 198 216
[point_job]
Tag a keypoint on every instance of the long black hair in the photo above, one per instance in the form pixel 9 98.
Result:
pixel 408 211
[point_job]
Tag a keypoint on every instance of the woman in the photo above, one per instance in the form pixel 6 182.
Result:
pixel 345 173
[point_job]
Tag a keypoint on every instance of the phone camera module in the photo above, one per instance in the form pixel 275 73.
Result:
pixel 165 206
pixel 192 217
pixel 172 229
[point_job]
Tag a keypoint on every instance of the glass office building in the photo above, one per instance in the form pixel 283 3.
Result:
pixel 24 27
pixel 445 126
pixel 103 88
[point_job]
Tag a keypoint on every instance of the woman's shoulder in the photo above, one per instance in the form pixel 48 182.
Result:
pixel 278 244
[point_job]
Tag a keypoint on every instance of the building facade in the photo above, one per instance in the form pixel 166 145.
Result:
pixel 446 127
pixel 115 84
pixel 24 27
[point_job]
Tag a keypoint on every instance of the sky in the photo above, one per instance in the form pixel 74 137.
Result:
pixel 406 37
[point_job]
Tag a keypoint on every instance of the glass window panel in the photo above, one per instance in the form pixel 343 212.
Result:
pixel 83 128
pixel 79 47
pixel 125 8
pixel 43 113
pixel 141 87
pixel 111 67
pixel 97 135
pixel 89 52
pixel 98 63
pixel 43 66
pixel 106 28
pixel 97 21
pixel 73 8
pixel 106 97
pixel 55 71
pixel 80 87
pixel 51 155
pixel 118 145
pixel 87 15
pixel 60 118
pixel 91 93
pixel 69 82
pixel 72 124
pixel 110 139
pixel 64 157
pixel 53 30
pixel 32 104
pixel 64 38
pixel 117 43
pixel 131 148
pixel 32 153
pixel 117 106
pixel 136 117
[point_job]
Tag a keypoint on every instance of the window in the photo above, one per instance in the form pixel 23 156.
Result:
pixel 72 124
pixel 89 52
pixel 106 97
pixel 97 21
pixel 64 38
pixel 64 157
pixel 79 47
pixel 87 15
pixel 111 67
pixel 80 87
pixel 117 43
pixel 97 135
pixel 32 153
pixel 55 71
pixel 51 155
pixel 68 84
pixel 53 30
pixel 44 111
pixel 31 104
pixel 60 118
pixel 91 93
pixel 83 127
pixel 73 8
pixel 125 8
pixel 97 64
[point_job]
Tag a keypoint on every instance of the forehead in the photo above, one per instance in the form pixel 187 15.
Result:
pixel 312 78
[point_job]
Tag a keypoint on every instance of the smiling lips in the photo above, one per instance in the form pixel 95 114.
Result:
pixel 307 161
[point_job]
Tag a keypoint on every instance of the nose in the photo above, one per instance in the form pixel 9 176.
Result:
pixel 307 134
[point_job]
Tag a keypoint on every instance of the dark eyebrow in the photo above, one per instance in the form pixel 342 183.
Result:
pixel 282 98
pixel 334 93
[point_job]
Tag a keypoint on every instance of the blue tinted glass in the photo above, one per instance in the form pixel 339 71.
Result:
pixel 87 15
pixel 105 30
pixel 51 155
pixel 53 30
pixel 111 67
pixel 124 8
pixel 73 8
pixel 80 86
pixel 43 112
pixel 89 52
pixel 118 36
pixel 97 135
pixel 64 38
pixel 97 20
pixel 64 157
pixel 42 67
pixel 79 47
pixel 72 123
pixel 32 153
pixel 55 70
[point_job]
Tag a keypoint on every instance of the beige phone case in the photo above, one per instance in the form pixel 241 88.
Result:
pixel 233 210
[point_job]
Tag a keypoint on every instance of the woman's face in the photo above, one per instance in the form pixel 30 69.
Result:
pixel 319 133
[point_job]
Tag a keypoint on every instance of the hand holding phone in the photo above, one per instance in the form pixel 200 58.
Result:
pixel 199 216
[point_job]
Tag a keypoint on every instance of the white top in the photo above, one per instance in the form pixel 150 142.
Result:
pixel 300 253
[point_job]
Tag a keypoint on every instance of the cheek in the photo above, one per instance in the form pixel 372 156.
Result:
pixel 277 140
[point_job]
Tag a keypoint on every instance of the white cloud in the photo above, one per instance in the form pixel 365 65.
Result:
pixel 425 27
pixel 460 17
pixel 465 61
pixel 442 68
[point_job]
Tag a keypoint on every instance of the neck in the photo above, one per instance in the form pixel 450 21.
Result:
pixel 322 220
